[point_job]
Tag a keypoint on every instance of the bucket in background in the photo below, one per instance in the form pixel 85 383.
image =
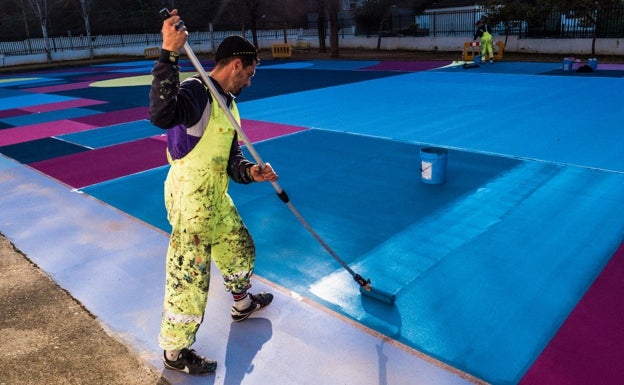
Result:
pixel 433 165
pixel 567 64
pixel 477 59
pixel 593 63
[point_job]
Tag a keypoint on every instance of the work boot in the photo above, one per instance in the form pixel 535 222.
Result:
pixel 190 362
pixel 258 302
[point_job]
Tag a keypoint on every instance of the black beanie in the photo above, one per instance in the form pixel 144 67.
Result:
pixel 235 46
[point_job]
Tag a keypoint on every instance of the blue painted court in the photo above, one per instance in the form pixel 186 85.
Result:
pixel 493 270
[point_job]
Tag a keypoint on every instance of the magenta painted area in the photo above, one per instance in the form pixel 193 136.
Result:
pixel 62 105
pixel 22 134
pixel 413 66
pixel 601 66
pixel 257 130
pixel 85 83
pixel 62 71
pixel 60 87
pixel 90 167
pixel 589 347
pixel 115 117
pixel 13 112
pixel 610 66
pixel 99 77
pixel 161 137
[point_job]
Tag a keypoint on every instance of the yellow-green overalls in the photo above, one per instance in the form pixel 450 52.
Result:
pixel 205 224
pixel 487 45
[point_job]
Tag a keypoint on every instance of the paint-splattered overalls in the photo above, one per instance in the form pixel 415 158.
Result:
pixel 487 46
pixel 205 224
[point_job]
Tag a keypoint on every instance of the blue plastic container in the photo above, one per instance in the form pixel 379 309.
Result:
pixel 593 63
pixel 477 59
pixel 567 64
pixel 433 165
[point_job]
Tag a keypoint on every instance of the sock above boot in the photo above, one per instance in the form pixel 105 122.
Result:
pixel 241 300
pixel 172 355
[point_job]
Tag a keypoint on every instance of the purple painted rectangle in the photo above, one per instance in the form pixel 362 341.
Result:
pixel 13 112
pixel 60 87
pixel 589 347
pixel 610 66
pixel 257 130
pixel 91 167
pixel 99 77
pixel 63 105
pixel 115 117
pixel 41 130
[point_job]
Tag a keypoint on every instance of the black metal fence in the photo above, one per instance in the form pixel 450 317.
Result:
pixel 554 24
pixel 606 23
pixel 67 43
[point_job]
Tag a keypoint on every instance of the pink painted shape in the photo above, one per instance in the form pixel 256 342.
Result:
pixel 63 105
pixel 589 347
pixel 257 130
pixel 115 117
pixel 99 77
pixel 610 66
pixel 13 112
pixel 41 130
pixel 95 166
pixel 161 137
pixel 59 87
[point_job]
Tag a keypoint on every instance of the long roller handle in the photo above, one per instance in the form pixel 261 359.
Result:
pixel 222 104
pixel 365 283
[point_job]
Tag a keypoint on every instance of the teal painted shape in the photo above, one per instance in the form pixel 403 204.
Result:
pixel 486 267
pixel 492 113
pixel 26 81
pixel 115 134
pixel 23 100
pixel 142 197
pixel 50 116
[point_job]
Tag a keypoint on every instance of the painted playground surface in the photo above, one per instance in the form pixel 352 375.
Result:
pixel 507 273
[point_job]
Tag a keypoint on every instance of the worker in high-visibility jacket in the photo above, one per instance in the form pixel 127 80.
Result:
pixel 204 154
pixel 484 32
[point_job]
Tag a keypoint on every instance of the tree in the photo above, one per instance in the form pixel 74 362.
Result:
pixel 321 25
pixel 535 13
pixel 25 19
pixel 384 9
pixel 510 13
pixel 366 17
pixel 288 13
pixel 372 15
pixel 328 9
pixel 334 8
pixel 85 8
pixel 40 7
pixel 588 11
pixel 250 11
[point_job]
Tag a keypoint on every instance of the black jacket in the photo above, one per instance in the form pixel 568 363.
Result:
pixel 175 106
pixel 481 30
